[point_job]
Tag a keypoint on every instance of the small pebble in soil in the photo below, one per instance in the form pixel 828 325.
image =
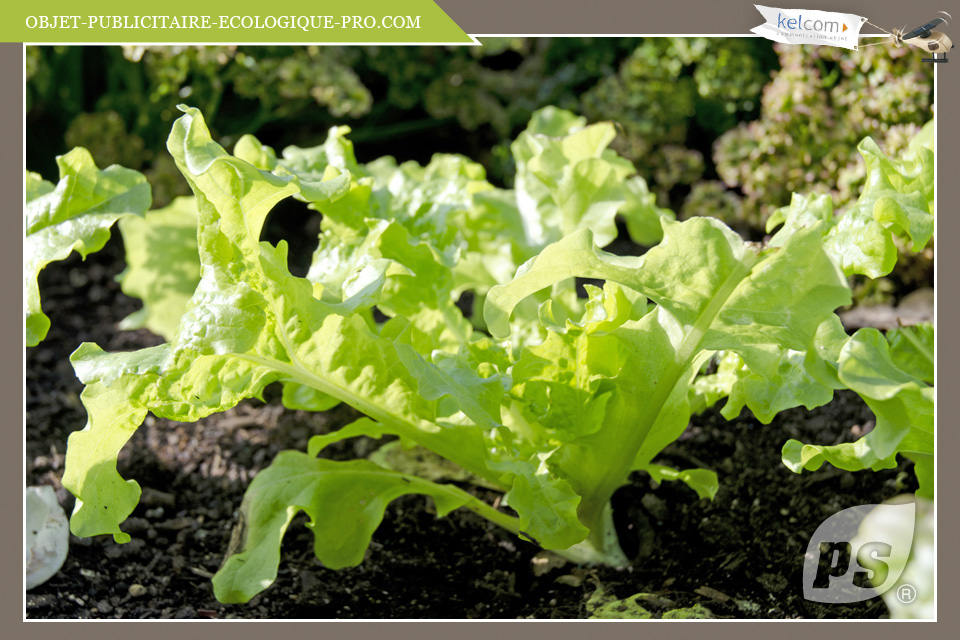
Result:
pixel 41 602
pixel 655 507
pixel 137 590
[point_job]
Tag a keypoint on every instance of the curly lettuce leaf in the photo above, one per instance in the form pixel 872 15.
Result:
pixel 896 205
pixel 446 230
pixel 118 392
pixel 791 386
pixel 558 382
pixel 414 221
pixel 309 164
pixel 709 388
pixel 641 213
pixel 803 378
pixel 345 502
pixel 912 350
pixel 703 481
pixel 75 215
pixel 163 265
pixel 707 279
pixel 902 403
pixel 713 292
pixel 547 505
pixel 567 179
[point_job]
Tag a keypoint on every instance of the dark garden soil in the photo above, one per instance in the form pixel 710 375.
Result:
pixel 739 555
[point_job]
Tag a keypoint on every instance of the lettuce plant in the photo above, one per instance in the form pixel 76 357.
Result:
pixel 551 398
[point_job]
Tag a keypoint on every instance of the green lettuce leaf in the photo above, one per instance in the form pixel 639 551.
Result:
pixel 356 492
pixel 703 481
pixel 791 386
pixel 567 179
pixel 445 230
pixel 75 215
pixel 641 213
pixel 163 265
pixel 912 349
pixel 896 205
pixel 712 292
pixel 903 406
pixel 307 164
pixel 306 398
pixel 118 392
pixel 709 388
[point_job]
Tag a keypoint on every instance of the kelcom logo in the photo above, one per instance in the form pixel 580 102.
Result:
pixel 807 26
pixel 799 24
pixel 842 566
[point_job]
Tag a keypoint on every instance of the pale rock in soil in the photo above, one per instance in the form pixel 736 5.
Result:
pixel 46 535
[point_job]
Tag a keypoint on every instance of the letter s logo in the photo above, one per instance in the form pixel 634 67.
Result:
pixel 841 565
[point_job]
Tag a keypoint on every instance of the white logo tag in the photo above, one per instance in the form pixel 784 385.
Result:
pixel 800 26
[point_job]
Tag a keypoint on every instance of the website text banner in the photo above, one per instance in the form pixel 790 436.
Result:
pixel 184 21
pixel 699 17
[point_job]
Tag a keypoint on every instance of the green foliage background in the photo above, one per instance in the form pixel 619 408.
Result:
pixel 725 127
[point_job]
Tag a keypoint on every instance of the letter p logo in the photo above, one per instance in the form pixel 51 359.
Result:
pixel 840 567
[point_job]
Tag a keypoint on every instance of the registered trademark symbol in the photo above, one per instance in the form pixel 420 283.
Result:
pixel 906 593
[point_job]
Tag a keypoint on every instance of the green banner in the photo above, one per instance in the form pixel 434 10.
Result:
pixel 243 21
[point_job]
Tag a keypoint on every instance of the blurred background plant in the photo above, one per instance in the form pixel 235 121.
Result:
pixel 670 96
pixel 725 127
pixel 818 106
